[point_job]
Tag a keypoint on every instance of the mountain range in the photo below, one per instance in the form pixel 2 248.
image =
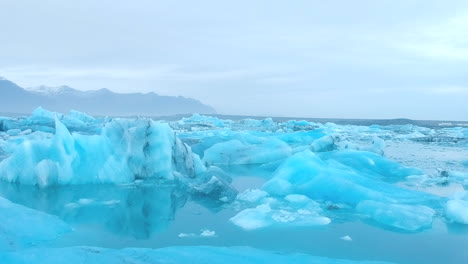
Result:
pixel 15 99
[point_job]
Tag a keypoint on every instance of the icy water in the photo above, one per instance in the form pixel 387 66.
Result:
pixel 154 215
pixel 116 211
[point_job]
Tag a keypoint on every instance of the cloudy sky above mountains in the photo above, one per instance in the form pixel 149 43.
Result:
pixel 306 58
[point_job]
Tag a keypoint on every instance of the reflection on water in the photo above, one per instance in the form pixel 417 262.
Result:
pixel 152 214
pixel 138 210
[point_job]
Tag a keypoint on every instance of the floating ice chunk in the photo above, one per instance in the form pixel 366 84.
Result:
pixel 76 115
pixel 305 173
pixel 203 233
pixel 300 138
pixel 207 233
pixel 182 235
pixel 213 183
pixel 456 209
pixel 85 201
pixel 252 195
pixel 300 201
pixel 294 210
pixel 401 216
pixel 460 196
pixel 201 121
pixel 72 205
pixel 237 152
pixel 294 125
pixel 13 132
pixel 253 218
pixel 372 164
pixel 377 145
pixel 325 143
pixel 111 202
pixel 260 125
pixel 22 227
pixel 346 238
pixel 41 115
pixel 456 177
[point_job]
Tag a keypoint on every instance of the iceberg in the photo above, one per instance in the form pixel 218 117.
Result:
pixel 123 151
pixel 305 173
pixel 405 217
pixel 200 122
pixel 328 180
pixel 369 163
pixel 44 120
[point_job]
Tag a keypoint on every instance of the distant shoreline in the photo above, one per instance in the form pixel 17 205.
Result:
pixel 338 121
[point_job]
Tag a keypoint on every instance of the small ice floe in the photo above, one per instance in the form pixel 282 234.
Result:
pixel 111 202
pixel 224 199
pixel 207 233
pixel 346 238
pixel 72 205
pixel 203 233
pixel 84 201
pixel 187 235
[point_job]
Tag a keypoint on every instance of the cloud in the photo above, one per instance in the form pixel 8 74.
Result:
pixel 447 40
pixel 34 75
pixel 450 90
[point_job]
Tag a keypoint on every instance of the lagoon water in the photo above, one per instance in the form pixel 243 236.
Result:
pixel 154 216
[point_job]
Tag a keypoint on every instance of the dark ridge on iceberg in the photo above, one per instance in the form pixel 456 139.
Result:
pixel 15 99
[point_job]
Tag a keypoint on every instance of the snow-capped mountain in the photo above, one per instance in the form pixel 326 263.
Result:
pixel 15 99
pixel 48 90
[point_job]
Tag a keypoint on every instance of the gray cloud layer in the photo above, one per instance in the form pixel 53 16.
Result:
pixel 366 59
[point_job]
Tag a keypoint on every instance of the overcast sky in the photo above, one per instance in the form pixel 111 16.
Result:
pixel 304 58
